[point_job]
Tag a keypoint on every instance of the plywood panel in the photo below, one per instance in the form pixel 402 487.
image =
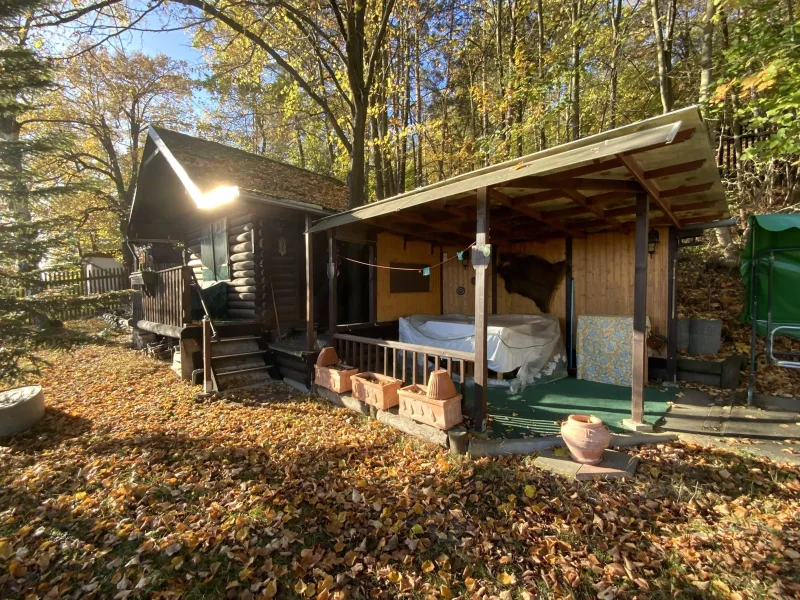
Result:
pixel 391 248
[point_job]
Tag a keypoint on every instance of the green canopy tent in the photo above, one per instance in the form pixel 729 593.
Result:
pixel 771 272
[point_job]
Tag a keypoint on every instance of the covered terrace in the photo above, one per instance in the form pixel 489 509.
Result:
pixel 655 175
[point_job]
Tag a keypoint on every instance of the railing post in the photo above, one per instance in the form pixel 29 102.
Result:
pixel 208 385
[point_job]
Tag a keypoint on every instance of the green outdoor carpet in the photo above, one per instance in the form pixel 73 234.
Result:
pixel 540 409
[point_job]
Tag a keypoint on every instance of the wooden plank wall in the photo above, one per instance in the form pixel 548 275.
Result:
pixel 393 306
pixel 603 268
pixel 455 276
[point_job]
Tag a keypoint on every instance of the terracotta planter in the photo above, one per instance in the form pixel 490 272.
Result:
pixel 336 378
pixel 586 437
pixel 376 390
pixel 440 386
pixel 442 414
pixel 327 357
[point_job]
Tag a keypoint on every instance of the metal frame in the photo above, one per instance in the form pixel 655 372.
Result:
pixel 755 261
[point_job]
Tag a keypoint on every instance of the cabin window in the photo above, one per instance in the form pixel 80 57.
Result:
pixel 214 251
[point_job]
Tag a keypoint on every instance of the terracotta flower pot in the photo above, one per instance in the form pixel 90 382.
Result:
pixel 440 385
pixel 416 404
pixel 336 378
pixel 586 438
pixel 376 390
pixel 327 357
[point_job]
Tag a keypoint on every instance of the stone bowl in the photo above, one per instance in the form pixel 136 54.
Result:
pixel 20 409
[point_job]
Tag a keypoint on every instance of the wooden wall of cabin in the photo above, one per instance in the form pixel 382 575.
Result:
pixel 457 276
pixel 394 249
pixel 603 269
pixel 276 265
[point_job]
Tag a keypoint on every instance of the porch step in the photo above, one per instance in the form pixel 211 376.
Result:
pixel 248 370
pixel 240 354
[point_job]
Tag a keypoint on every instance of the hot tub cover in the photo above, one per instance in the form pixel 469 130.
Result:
pixel 530 343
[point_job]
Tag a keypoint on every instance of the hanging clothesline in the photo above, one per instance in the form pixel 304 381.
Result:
pixel 425 271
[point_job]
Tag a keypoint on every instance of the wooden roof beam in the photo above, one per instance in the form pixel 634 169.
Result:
pixel 681 136
pixel 700 219
pixel 580 199
pixel 692 165
pixel 414 232
pixel 575 183
pixel 631 209
pixel 685 190
pixel 648 184
pixel 537 197
pixel 529 211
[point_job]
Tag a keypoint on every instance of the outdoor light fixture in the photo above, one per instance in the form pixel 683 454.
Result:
pixel 216 197
pixel 652 241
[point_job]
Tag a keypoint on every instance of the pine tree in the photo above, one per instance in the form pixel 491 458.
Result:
pixel 26 184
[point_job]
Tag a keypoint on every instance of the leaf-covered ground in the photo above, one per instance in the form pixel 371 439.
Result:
pixel 709 291
pixel 130 488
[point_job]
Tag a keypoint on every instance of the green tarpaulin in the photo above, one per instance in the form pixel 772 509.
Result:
pixel 777 238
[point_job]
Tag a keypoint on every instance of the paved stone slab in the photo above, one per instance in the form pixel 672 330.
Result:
pixel 615 465
pixel 561 465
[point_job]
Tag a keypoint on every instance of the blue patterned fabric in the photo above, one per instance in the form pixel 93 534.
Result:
pixel 605 349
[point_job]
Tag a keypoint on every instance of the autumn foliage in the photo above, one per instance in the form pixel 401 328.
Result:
pixel 130 488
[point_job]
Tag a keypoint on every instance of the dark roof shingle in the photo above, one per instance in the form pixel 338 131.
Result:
pixel 210 164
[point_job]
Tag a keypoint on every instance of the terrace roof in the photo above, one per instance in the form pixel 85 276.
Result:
pixel 586 186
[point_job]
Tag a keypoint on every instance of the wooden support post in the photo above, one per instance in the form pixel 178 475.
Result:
pixel 672 310
pixel 494 283
pixel 480 261
pixel 208 384
pixel 569 326
pixel 636 422
pixel 373 283
pixel 332 310
pixel 309 288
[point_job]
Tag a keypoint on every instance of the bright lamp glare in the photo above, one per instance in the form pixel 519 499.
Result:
pixel 218 196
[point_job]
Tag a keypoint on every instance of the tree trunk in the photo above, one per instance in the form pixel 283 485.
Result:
pixel 540 65
pixel 616 17
pixel 663 43
pixel 706 53
pixel 575 85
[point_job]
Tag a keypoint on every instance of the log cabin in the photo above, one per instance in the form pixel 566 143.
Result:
pixel 212 217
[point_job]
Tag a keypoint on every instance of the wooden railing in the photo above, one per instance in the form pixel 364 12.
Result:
pixel 400 360
pixel 168 301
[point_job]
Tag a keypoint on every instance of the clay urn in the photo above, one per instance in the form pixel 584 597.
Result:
pixel 586 438
pixel 440 385
pixel 327 357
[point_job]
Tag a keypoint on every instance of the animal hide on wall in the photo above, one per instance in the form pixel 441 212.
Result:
pixel 532 277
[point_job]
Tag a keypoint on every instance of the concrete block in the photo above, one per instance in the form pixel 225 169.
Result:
pixel 411 427
pixel 615 465
pixel 560 465
pixel 459 440
pixel 636 439
pixel 637 427
pixel 503 447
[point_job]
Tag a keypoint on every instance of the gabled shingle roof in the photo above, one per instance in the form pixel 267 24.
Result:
pixel 210 164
